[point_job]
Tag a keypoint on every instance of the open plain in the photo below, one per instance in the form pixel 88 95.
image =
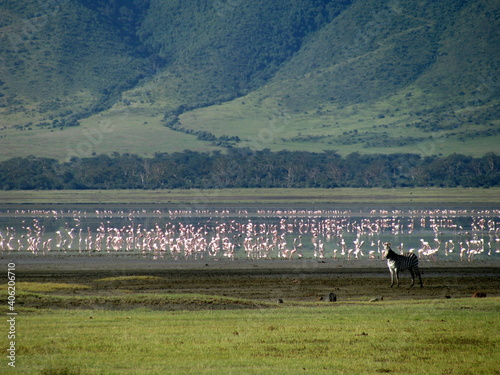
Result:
pixel 123 315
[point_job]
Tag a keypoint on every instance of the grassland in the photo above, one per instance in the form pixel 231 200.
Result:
pixel 125 317
pixel 386 126
pixel 257 196
pixel 260 124
pixel 429 336
pixel 120 130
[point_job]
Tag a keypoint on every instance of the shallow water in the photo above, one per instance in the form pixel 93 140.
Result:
pixel 256 233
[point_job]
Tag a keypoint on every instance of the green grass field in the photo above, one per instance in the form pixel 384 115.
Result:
pixel 118 322
pixel 260 123
pixel 258 196
pixel 458 336
pixel 119 130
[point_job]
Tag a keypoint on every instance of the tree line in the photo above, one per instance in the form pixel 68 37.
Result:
pixel 244 168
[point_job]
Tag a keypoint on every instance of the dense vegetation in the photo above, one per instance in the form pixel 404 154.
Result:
pixel 244 169
pixel 330 67
pixel 64 59
pixel 81 55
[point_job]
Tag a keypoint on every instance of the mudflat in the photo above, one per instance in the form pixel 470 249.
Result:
pixel 299 280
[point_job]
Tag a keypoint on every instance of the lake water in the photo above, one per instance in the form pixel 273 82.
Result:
pixel 256 233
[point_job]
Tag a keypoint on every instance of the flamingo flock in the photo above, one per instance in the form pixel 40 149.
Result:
pixel 262 234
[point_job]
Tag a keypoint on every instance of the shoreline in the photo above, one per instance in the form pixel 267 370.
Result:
pixel 257 281
pixel 136 263
pixel 253 196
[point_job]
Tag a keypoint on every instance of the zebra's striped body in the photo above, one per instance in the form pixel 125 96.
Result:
pixel 398 263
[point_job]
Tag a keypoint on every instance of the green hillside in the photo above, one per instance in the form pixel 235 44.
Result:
pixel 87 77
pixel 61 62
pixel 403 78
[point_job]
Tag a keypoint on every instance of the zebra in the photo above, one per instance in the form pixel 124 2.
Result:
pixel 397 263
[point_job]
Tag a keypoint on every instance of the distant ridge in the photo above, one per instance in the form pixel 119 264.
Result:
pixel 371 76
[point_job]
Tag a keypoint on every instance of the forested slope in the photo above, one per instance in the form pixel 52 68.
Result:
pixel 372 76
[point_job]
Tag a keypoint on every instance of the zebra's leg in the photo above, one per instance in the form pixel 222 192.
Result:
pixel 392 276
pixel 397 277
pixel 412 278
pixel 419 277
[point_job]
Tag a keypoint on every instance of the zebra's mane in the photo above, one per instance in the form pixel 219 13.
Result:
pixel 391 254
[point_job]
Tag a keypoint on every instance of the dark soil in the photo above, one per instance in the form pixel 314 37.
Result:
pixel 259 281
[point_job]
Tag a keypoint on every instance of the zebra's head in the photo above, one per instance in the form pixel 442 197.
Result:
pixel 387 247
